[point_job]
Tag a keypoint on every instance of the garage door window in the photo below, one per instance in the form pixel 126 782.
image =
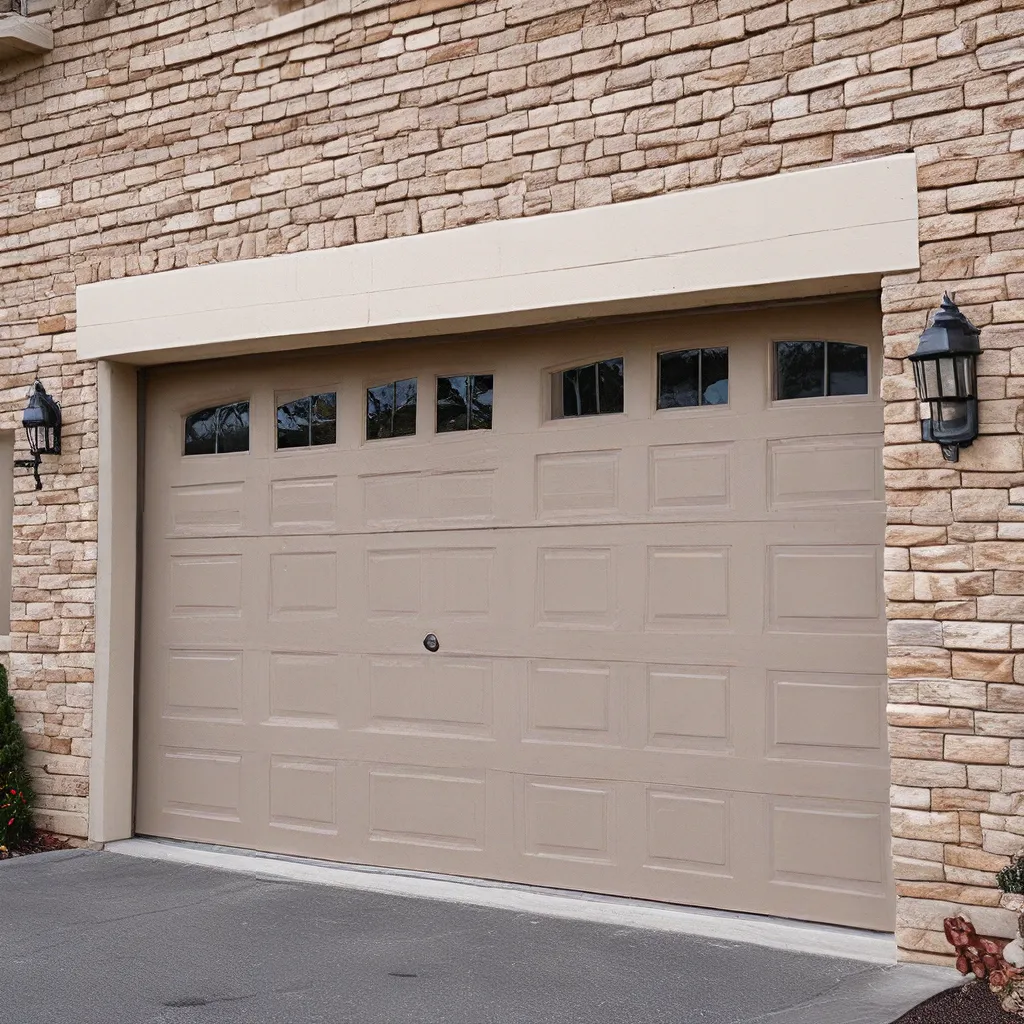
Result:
pixel 215 431
pixel 820 369
pixel 465 402
pixel 591 390
pixel 391 410
pixel 308 421
pixel 696 376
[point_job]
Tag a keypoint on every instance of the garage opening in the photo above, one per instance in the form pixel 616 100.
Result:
pixel 596 607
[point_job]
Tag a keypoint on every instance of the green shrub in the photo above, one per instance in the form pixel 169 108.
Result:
pixel 1011 878
pixel 15 789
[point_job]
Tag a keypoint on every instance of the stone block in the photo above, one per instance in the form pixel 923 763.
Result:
pixel 976 749
pixel 930 826
pixel 983 636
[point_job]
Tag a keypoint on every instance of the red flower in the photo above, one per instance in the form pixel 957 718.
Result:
pixel 10 823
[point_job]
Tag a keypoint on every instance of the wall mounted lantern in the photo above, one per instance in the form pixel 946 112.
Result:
pixel 946 372
pixel 41 420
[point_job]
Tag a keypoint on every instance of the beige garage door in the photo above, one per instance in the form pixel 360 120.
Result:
pixel 650 553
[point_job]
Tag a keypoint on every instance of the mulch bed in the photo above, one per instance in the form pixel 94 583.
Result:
pixel 38 842
pixel 972 1003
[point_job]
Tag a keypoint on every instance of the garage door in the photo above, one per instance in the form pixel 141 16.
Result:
pixel 596 608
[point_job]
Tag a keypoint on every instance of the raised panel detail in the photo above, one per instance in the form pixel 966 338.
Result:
pixel 465 494
pixel 435 695
pixel 206 510
pixel 465 577
pixel 390 497
pixel 427 809
pixel 687 588
pixel 570 702
pixel 824 471
pixel 202 784
pixel 687 708
pixel 567 819
pixel 688 830
pixel 302 795
pixel 305 689
pixel 826 717
pixel 393 582
pixel 576 586
pixel 825 589
pixel 576 482
pixel 206 586
pixel 303 584
pixel 204 685
pixel 307 505
pixel 437 495
pixel 829 845
pixel 689 476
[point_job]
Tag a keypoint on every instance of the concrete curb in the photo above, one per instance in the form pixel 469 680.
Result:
pixel 847 944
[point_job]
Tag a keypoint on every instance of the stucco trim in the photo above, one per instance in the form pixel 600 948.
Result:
pixel 817 232
pixel 821 231
pixel 111 767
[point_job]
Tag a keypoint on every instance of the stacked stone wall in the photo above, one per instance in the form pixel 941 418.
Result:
pixel 172 134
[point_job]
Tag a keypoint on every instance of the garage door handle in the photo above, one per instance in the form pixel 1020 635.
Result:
pixel 431 643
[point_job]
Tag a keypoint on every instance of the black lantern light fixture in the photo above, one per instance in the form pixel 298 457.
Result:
pixel 946 372
pixel 41 420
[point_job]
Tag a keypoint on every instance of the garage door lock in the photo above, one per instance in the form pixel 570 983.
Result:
pixel 431 643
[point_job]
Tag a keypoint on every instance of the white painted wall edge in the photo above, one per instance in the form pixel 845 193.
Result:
pixel 839 223
pixel 820 940
pixel 111 766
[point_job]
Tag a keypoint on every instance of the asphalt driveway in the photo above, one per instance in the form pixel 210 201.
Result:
pixel 100 938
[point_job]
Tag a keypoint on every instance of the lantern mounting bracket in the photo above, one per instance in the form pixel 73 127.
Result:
pixel 32 464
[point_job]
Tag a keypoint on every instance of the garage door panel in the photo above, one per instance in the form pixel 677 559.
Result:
pixel 661 664
pixel 823 472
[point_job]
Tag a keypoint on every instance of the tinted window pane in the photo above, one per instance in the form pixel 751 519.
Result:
pixel 201 433
pixel 452 411
pixel 591 389
pixel 847 369
pixel 800 369
pixel 293 424
pixel 714 374
pixel 481 402
pixel 324 410
pixel 233 428
pixel 610 385
pixel 579 391
pixel 679 379
pixel 380 408
pixel 405 408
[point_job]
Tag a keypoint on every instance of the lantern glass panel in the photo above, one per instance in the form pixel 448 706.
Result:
pixel 931 380
pixel 966 376
pixel 947 377
pixel 950 415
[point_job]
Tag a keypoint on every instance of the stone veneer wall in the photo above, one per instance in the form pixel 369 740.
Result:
pixel 170 134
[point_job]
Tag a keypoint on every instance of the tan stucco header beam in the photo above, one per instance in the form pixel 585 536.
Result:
pixel 811 232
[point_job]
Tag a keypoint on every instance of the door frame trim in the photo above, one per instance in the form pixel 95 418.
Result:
pixel 828 231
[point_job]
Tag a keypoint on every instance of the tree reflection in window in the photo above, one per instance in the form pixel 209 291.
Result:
pixel 696 376
pixel 312 420
pixel 465 402
pixel 820 369
pixel 591 390
pixel 218 430
pixel 391 410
